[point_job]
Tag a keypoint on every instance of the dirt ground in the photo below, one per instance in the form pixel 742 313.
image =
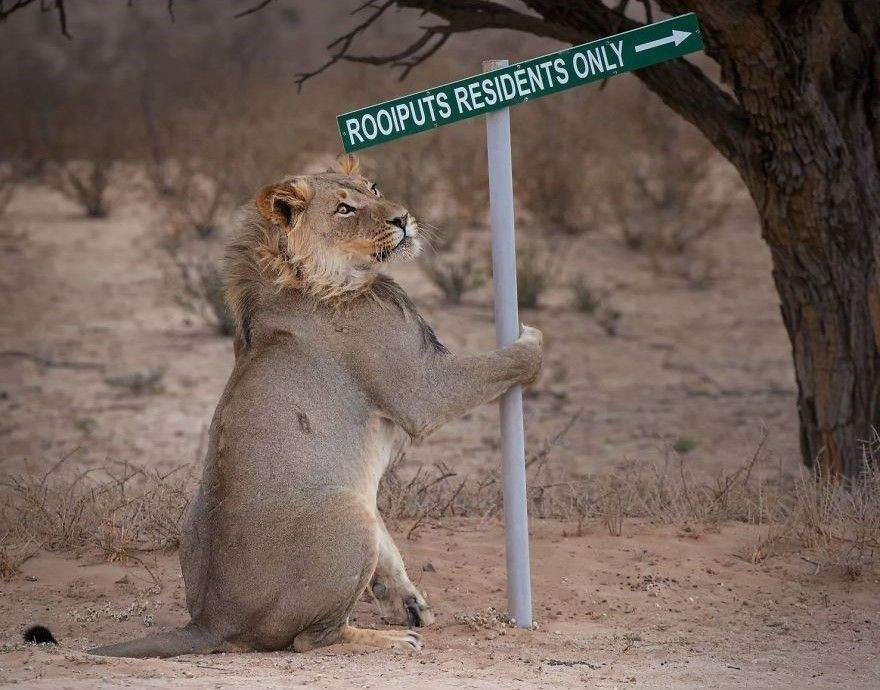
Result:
pixel 657 607
pixel 85 300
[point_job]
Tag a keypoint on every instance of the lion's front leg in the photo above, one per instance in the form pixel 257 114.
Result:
pixel 399 601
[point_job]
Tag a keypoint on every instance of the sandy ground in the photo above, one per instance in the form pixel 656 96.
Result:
pixel 661 606
pixel 657 607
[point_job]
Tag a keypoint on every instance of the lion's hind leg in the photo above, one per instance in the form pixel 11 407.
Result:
pixel 408 640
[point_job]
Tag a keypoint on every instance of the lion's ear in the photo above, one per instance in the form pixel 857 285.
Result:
pixel 347 164
pixel 282 203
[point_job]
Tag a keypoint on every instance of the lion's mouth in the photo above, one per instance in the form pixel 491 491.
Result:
pixel 385 253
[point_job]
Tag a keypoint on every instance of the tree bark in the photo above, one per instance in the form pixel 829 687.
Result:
pixel 804 134
pixel 808 80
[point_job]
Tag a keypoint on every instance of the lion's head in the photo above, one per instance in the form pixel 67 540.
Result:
pixel 326 235
pixel 336 229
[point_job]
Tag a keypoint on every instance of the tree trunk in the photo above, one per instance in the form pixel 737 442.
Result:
pixel 804 133
pixel 808 80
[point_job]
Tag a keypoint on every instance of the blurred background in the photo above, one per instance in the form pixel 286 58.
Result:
pixel 125 151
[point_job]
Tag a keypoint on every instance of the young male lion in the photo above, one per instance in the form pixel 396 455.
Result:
pixel 332 359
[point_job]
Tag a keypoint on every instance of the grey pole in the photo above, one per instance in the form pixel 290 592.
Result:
pixel 507 328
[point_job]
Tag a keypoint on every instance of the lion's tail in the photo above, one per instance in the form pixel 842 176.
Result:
pixel 186 640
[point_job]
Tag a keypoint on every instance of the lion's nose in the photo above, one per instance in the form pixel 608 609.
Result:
pixel 399 222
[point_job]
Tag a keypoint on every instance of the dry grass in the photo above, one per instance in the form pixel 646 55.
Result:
pixel 84 182
pixel 201 292
pixel 535 272
pixel 453 275
pixel 127 510
pixel 121 510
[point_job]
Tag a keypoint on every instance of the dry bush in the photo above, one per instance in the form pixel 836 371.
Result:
pixel 84 182
pixel 137 381
pixel 202 292
pixel 666 196
pixel 840 524
pixel 587 299
pixel 555 182
pixel 463 181
pixel 84 136
pixel 9 180
pixel 666 493
pixel 123 510
pixel 128 509
pixel 584 296
pixel 454 275
pixel 535 271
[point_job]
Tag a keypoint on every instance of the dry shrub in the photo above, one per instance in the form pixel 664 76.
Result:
pixel 84 182
pixel 535 271
pixel 584 296
pixel 587 299
pixel 83 138
pixel 9 179
pixel 128 509
pixel 137 381
pixel 666 493
pixel 202 292
pixel 123 511
pixel 454 275
pixel 463 179
pixel 555 179
pixel 840 524
pixel 666 195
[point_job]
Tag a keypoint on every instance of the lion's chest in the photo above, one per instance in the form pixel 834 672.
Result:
pixel 382 439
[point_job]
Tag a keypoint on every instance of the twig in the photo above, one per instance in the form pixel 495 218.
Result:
pixel 49 362
pixel 550 443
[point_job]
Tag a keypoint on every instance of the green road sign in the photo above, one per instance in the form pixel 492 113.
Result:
pixel 535 78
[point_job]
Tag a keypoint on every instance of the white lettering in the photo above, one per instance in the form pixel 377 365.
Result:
pixel 461 95
pixel 389 124
pixel 476 98
pixel 521 85
pixel 354 128
pixel 402 113
pixel 561 71
pixel 579 62
pixel 443 105
pixel 489 91
pixel 618 50
pixel 369 119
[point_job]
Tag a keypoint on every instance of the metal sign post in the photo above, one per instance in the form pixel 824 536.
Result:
pixel 491 94
pixel 513 451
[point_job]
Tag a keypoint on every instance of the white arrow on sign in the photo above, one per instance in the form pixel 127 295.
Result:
pixel 676 38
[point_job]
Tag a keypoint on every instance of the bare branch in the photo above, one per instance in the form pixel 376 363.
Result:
pixel 344 42
pixel 256 8
pixel 56 5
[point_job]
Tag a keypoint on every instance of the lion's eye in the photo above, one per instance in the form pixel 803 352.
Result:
pixel 375 190
pixel 344 210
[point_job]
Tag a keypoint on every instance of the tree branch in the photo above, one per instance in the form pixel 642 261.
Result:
pixel 679 83
pixel 256 8
pixel 460 15
pixel 57 5
pixel 344 42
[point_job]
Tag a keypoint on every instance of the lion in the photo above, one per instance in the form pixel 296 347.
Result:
pixel 334 367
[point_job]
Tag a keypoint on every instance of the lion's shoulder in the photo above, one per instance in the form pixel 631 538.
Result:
pixel 387 292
